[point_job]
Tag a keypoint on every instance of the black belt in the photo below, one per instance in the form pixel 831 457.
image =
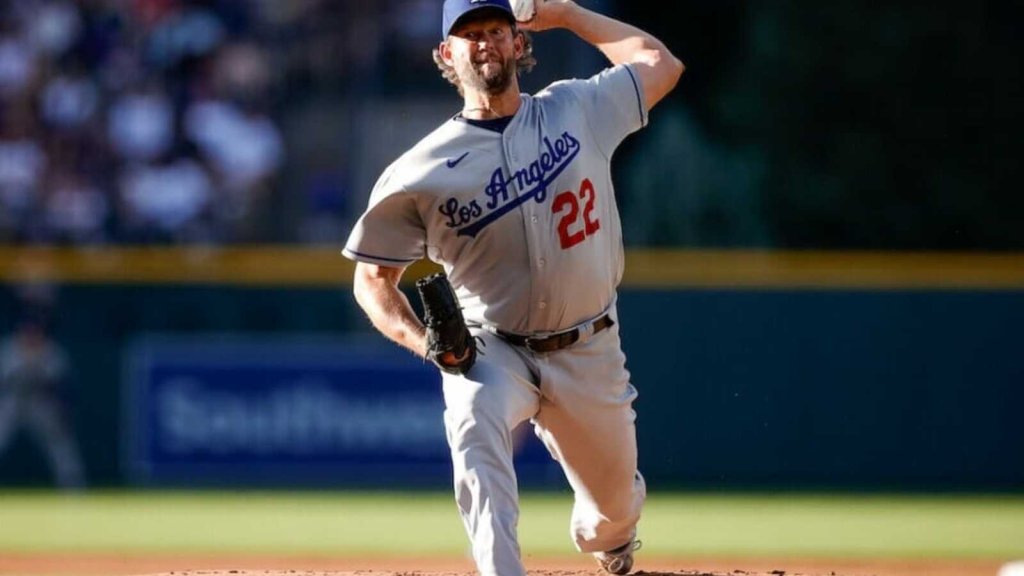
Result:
pixel 554 341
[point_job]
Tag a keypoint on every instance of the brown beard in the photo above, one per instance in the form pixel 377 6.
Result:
pixel 496 83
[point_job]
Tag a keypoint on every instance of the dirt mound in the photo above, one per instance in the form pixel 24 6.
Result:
pixel 178 564
pixel 531 573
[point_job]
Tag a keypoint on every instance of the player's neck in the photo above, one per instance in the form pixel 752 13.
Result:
pixel 483 106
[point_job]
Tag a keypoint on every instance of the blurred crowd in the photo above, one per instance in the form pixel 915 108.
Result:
pixel 161 121
pixel 141 121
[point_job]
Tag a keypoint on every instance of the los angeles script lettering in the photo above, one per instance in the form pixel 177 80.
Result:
pixel 529 178
pixel 458 215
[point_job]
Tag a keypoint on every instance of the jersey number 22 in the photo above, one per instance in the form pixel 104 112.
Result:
pixel 570 220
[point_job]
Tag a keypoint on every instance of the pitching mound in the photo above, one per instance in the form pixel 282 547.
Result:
pixel 81 564
pixel 532 573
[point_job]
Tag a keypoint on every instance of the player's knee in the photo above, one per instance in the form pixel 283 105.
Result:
pixel 621 496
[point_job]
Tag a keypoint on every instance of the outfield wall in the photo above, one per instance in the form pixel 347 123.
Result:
pixel 755 370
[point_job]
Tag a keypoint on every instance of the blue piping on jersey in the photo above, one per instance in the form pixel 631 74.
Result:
pixel 639 97
pixel 371 256
pixel 473 229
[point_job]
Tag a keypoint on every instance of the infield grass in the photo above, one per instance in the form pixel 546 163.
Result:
pixel 425 524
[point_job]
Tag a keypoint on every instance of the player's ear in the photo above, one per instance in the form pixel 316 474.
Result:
pixel 445 50
pixel 518 41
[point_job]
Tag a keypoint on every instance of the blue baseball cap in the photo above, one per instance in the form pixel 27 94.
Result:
pixel 456 9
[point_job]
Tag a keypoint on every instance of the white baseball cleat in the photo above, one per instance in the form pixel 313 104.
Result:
pixel 1012 569
pixel 620 560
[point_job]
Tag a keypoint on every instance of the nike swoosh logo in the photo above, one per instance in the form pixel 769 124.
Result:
pixel 453 163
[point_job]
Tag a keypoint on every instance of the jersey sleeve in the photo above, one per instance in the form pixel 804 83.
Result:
pixel 613 102
pixel 390 232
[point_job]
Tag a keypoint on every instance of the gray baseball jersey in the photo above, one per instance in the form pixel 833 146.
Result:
pixel 525 221
pixel 525 224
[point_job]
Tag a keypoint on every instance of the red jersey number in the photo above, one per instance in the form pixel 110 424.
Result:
pixel 567 201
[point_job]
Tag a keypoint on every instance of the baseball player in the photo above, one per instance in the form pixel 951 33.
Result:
pixel 32 368
pixel 513 197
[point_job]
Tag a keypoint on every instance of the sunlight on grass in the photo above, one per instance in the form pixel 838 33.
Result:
pixel 343 523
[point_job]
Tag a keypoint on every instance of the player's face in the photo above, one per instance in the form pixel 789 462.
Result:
pixel 484 53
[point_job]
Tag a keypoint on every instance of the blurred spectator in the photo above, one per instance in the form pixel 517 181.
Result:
pixel 76 210
pixel 18 66
pixel 244 149
pixel 22 164
pixel 185 32
pixel 52 26
pixel 140 125
pixel 69 101
pixel 33 374
pixel 166 201
pixel 242 72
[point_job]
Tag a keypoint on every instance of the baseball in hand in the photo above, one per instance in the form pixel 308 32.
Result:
pixel 523 10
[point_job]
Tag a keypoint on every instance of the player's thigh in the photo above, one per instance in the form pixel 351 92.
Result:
pixel 500 389
pixel 587 420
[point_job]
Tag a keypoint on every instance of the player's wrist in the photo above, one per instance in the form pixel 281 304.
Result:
pixel 568 14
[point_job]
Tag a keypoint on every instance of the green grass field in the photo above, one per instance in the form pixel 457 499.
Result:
pixel 346 523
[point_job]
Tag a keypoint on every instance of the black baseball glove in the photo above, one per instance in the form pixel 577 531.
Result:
pixel 449 343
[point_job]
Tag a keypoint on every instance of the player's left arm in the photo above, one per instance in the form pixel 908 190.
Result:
pixel 658 69
pixel 377 293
